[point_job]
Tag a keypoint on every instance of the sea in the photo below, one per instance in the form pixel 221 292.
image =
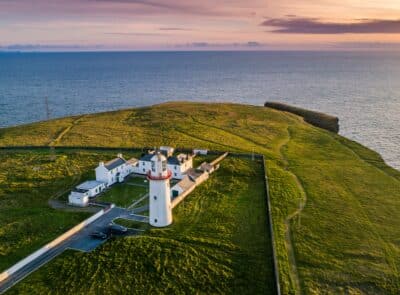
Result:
pixel 361 88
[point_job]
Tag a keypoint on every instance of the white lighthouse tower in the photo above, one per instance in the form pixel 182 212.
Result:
pixel 160 212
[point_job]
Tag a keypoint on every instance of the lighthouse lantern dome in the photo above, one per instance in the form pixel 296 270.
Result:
pixel 159 166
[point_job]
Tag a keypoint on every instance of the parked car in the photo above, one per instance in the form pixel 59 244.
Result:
pixel 118 229
pixel 98 235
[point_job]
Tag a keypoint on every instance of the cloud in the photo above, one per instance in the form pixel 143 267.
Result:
pixel 161 5
pixel 298 25
pixel 175 29
pixel 132 34
pixel 95 8
pixel 182 7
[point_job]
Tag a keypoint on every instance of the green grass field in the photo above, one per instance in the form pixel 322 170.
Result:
pixel 218 243
pixel 28 180
pixel 335 203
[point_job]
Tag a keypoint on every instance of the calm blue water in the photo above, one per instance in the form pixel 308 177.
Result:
pixel 363 89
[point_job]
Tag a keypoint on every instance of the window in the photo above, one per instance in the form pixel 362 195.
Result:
pixel 176 167
pixel 164 165
pixel 155 197
pixel 153 166
pixel 144 170
pixel 155 220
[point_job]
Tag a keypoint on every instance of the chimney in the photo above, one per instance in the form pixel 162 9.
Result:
pixel 101 164
pixel 119 155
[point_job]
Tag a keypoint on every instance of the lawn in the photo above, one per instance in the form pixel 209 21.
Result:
pixel 123 194
pixel 137 180
pixel 218 243
pixel 334 202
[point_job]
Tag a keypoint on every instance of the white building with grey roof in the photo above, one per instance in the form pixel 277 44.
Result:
pixel 81 194
pixel 178 165
pixel 113 171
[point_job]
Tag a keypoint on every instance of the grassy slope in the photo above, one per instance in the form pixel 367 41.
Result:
pixel 355 243
pixel 217 244
pixel 347 236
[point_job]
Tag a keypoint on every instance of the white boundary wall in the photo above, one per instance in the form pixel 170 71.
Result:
pixel 183 195
pixel 4 275
pixel 199 181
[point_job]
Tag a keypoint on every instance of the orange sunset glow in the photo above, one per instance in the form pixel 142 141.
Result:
pixel 178 24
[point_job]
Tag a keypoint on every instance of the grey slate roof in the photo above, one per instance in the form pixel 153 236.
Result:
pixel 186 183
pixel 80 190
pixel 87 185
pixel 194 173
pixel 179 159
pixel 173 161
pixel 147 158
pixel 114 163
pixel 206 167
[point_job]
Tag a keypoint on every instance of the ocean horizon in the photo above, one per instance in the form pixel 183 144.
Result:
pixel 361 88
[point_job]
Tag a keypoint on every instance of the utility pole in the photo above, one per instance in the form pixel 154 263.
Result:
pixel 46 101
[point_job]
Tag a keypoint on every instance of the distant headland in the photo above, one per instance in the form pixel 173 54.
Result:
pixel 318 119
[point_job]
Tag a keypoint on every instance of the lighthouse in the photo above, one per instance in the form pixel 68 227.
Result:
pixel 160 212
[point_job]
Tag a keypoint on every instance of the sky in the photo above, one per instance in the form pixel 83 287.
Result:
pixel 199 25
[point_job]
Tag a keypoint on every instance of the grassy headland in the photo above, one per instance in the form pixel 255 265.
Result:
pixel 334 202
pixel 218 243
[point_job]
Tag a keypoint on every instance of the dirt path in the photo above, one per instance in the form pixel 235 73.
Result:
pixel 65 131
pixel 144 196
pixel 296 214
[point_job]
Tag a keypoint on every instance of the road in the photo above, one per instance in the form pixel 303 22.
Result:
pixel 81 241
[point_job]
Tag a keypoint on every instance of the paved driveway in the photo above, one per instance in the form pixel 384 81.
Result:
pixel 81 241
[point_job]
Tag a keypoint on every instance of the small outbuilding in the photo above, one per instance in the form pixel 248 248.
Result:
pixel 93 187
pixel 206 167
pixel 202 152
pixel 197 175
pixel 79 198
pixel 184 185
pixel 81 194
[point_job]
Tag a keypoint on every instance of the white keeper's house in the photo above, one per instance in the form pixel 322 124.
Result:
pixel 115 170
pixel 178 165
